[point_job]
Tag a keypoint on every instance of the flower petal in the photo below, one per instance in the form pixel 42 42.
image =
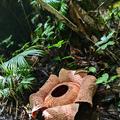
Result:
pixel 37 99
pixel 87 89
pixel 65 112
pixel 69 75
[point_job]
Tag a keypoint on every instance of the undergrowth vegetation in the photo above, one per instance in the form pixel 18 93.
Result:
pixel 16 75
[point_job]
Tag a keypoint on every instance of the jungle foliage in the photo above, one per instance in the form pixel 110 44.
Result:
pixel 74 34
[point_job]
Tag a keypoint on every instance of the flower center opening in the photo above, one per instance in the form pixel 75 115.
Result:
pixel 59 91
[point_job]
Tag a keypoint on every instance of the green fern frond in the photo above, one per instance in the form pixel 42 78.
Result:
pixel 19 60
pixel 4 93
pixel 61 26
pixel 25 84
pixel 54 3
pixel 64 7
pixel 2 83
pixel 59 5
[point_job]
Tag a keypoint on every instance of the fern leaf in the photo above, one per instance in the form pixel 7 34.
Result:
pixel 19 60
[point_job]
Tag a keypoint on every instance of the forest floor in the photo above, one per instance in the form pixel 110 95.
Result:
pixel 104 101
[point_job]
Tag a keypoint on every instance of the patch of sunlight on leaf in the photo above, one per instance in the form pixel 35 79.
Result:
pixel 116 4
pixel 57 45
pixel 92 69
pixel 103 79
pixel 104 46
pixel 113 78
pixel 105 38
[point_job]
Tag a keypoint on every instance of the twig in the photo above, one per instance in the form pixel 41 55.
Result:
pixel 16 112
pixel 11 106
pixel 4 105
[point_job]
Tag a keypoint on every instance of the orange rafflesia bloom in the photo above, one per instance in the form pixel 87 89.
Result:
pixel 58 98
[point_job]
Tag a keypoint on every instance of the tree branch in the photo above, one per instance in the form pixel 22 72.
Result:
pixel 57 14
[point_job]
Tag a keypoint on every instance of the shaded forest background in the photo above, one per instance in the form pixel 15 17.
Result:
pixel 38 38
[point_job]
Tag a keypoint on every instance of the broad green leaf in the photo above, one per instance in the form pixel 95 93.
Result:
pixel 105 39
pixel 57 45
pixel 103 79
pixel 110 35
pixel 102 40
pixel 113 78
pixel 104 46
pixel 92 69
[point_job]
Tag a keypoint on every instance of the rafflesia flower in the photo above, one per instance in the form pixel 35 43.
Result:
pixel 59 98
